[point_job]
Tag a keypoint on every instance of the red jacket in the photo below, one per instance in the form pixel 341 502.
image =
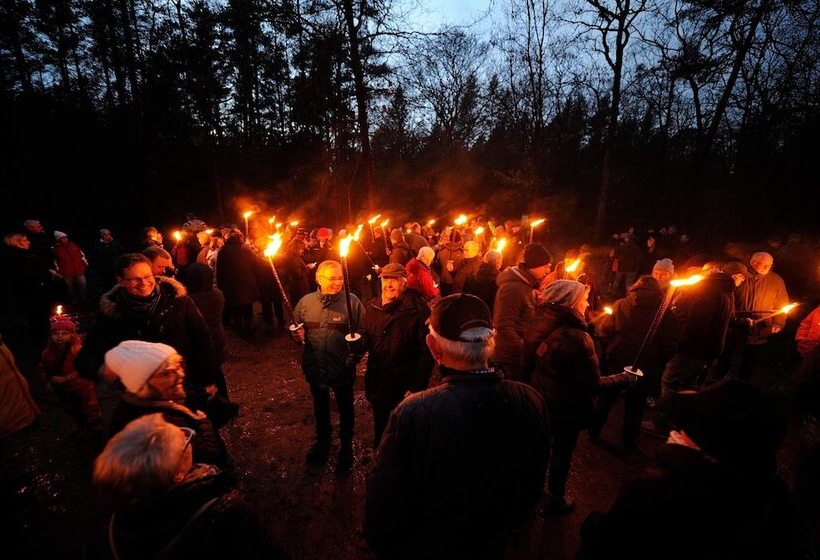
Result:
pixel 808 333
pixel 420 279
pixel 70 259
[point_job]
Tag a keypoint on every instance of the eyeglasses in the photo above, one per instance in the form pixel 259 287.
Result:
pixel 189 435
pixel 140 280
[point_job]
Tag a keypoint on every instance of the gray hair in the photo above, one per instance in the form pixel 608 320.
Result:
pixel 141 461
pixel 492 257
pixel 324 265
pixel 469 352
pixel 762 255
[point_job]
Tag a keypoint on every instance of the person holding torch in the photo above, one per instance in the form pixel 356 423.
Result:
pixel 328 360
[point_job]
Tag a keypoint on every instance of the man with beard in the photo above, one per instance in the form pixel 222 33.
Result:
pixel 398 361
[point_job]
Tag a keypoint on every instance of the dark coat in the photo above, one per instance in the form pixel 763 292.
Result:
pixel 398 358
pixel 459 467
pixel 207 444
pixel 467 269
pixel 690 507
pixel 451 251
pixel 175 321
pixel 294 275
pixel 235 273
pixel 401 253
pixel 762 294
pixel 703 312
pixel 483 284
pixel 227 528
pixel 415 241
pixel 629 323
pixel 514 311
pixel 211 303
pixel 561 354
pixel 103 262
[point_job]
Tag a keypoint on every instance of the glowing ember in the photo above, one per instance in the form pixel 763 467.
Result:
pixel 786 308
pixel 344 246
pixel 607 310
pixel 573 266
pixel 692 280
pixel 177 235
pixel 372 220
pixel 247 214
pixel 461 220
pixel 478 231
pixel 274 246
pixel 537 223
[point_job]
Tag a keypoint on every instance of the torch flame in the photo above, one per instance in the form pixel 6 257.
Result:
pixel 573 266
pixel 499 246
pixel 209 231
pixel 294 223
pixel 430 222
pixel 59 310
pixel 608 310
pixel 274 246
pixel 786 308
pixel 344 246
pixel 177 235
pixel 271 220
pixel 691 281
pixel 479 230
pixel 461 220
pixel 537 223
pixel 358 232
pixel 372 220
pixel 384 223
pixel 278 225
pixel 247 214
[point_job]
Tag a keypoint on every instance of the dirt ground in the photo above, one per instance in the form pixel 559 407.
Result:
pixel 51 510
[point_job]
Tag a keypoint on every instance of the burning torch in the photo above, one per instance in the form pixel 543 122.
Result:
pixel 535 224
pixel 247 215
pixel 344 247
pixel 783 310
pixel 370 223
pixel 270 252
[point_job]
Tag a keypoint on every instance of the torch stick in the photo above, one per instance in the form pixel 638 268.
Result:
pixel 270 252
pixel 247 215
pixel 534 225
pixel 783 310
pixel 344 246
pixel 656 320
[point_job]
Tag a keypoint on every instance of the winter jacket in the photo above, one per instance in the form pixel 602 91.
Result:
pixel 808 333
pixel 450 252
pixel 235 273
pixel 70 259
pixel 561 355
pixel 716 513
pixel 703 312
pixel 175 320
pixel 17 408
pixel 226 526
pixel 199 278
pixel 207 444
pixel 629 257
pixel 415 241
pixel 103 260
pixel 466 270
pixel 401 253
pixel 459 467
pixel 627 326
pixel 398 359
pixel 762 294
pixel 294 275
pixel 420 279
pixel 514 308
pixel 483 284
pixel 326 359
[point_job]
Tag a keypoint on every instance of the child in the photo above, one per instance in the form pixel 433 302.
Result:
pixel 75 393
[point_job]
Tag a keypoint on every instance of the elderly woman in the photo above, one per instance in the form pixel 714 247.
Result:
pixel 566 373
pixel 167 506
pixel 153 375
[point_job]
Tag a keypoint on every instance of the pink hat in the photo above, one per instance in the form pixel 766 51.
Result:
pixel 63 324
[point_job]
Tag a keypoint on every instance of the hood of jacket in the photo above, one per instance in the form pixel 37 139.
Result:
pixel 487 272
pixel 167 286
pixel 644 293
pixel 515 274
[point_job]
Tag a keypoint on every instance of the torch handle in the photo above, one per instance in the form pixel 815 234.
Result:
pixel 349 304
pixel 654 325
pixel 285 298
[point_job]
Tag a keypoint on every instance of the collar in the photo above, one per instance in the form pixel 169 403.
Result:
pixel 484 374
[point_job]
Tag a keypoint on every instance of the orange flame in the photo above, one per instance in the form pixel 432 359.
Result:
pixel 537 223
pixel 247 214
pixel 294 223
pixel 59 310
pixel 573 266
pixel 177 235
pixel 372 220
pixel 430 222
pixel 209 231
pixel 274 246
pixel 358 232
pixel 691 281
pixel 608 310
pixel 384 223
pixel 271 220
pixel 500 244
pixel 461 220
pixel 344 246
pixel 786 308
pixel 479 230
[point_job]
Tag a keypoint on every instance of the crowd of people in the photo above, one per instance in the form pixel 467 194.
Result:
pixel 485 358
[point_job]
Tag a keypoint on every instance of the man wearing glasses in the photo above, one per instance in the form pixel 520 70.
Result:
pixel 328 362
pixel 157 309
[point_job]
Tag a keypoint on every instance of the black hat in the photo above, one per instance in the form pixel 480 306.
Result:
pixel 733 422
pixel 536 255
pixel 457 313
pixel 393 270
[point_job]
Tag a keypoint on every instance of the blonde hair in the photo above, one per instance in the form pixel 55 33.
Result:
pixel 140 462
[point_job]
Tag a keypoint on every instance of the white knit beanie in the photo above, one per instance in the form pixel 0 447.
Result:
pixel 58 235
pixel 563 292
pixel 135 361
